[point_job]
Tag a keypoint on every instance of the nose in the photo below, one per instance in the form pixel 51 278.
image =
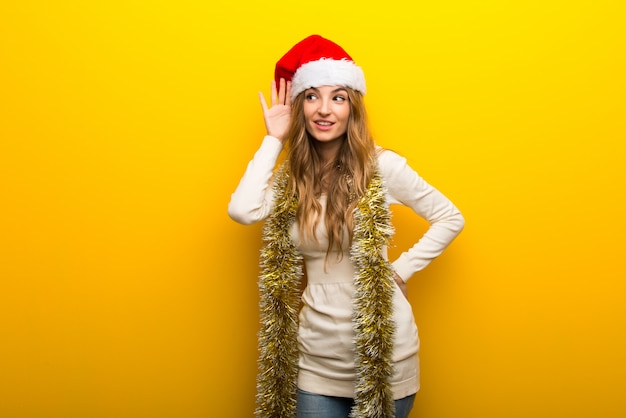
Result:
pixel 324 108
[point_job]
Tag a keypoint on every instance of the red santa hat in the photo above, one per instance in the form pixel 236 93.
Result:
pixel 316 61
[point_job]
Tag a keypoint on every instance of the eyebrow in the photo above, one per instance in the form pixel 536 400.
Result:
pixel 338 89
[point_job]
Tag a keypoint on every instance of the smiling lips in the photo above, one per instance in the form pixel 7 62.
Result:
pixel 324 125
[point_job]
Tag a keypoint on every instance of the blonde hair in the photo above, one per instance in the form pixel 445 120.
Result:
pixel 344 181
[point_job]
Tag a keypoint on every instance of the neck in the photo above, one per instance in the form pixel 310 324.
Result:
pixel 328 151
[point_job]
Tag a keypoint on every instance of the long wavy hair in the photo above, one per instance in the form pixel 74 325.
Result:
pixel 343 181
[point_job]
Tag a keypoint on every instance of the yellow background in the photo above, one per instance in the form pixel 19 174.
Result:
pixel 126 291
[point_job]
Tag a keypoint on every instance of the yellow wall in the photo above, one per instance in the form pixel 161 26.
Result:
pixel 125 290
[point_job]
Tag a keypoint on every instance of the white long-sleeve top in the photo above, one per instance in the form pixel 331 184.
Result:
pixel 325 336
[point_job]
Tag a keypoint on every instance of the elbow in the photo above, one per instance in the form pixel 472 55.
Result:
pixel 238 214
pixel 452 220
pixel 458 222
pixel 461 222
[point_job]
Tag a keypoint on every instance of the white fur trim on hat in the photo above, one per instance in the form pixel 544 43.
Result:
pixel 328 72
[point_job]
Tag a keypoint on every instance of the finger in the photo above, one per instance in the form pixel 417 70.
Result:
pixel 263 102
pixel 281 92
pixel 288 98
pixel 274 93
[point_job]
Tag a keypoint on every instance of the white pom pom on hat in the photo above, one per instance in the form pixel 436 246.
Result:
pixel 316 61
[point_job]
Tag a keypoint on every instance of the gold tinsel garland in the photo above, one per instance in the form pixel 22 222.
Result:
pixel 279 284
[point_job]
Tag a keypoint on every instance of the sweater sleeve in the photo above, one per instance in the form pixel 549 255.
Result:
pixel 253 198
pixel 406 187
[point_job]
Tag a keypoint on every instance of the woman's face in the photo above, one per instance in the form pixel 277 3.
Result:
pixel 326 112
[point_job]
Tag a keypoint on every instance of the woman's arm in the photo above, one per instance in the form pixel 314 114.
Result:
pixel 253 199
pixel 406 187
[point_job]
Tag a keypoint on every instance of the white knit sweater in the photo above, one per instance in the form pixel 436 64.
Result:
pixel 325 337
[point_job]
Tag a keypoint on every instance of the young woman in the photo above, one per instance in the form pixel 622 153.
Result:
pixel 348 344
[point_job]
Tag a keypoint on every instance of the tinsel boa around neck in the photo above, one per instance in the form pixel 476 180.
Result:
pixel 279 287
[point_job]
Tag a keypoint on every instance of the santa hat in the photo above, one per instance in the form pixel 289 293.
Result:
pixel 316 61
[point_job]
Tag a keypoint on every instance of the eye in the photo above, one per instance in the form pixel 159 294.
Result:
pixel 340 99
pixel 310 96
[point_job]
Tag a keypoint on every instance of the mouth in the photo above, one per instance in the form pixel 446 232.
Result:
pixel 323 124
